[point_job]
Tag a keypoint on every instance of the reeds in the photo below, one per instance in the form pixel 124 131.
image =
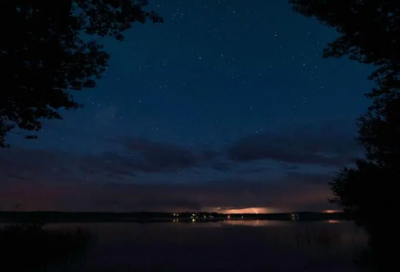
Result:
pixel 30 247
pixel 323 237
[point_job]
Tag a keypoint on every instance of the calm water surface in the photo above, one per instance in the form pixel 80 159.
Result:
pixel 225 246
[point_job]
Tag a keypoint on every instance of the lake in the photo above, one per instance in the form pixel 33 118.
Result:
pixel 221 246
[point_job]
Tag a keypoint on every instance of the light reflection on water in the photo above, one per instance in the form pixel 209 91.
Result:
pixel 233 245
pixel 254 223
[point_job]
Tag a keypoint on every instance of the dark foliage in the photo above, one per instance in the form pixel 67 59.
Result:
pixel 49 48
pixel 368 192
pixel 369 33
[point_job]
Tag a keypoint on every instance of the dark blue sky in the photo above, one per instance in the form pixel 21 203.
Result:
pixel 227 104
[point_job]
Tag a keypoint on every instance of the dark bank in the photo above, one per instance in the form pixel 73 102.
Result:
pixel 71 217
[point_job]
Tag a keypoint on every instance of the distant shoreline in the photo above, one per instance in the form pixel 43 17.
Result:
pixel 154 217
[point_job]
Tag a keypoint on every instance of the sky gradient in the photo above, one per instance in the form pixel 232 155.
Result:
pixel 227 105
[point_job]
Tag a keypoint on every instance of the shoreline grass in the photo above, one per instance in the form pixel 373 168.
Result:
pixel 30 247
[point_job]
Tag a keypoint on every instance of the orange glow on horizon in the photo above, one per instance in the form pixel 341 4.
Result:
pixel 331 211
pixel 255 210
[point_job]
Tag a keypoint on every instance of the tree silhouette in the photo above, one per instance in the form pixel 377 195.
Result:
pixel 369 33
pixel 368 191
pixel 50 48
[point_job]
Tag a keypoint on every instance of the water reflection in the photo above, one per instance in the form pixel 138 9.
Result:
pixel 232 245
pixel 253 223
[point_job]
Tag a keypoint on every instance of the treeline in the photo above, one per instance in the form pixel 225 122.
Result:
pixel 43 217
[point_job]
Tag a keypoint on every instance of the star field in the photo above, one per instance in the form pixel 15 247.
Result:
pixel 227 104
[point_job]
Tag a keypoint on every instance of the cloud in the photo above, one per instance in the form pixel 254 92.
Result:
pixel 136 156
pixel 33 163
pixel 286 194
pixel 158 157
pixel 140 155
pixel 325 147
pixel 310 178
pixel 168 203
pixel 140 174
pixel 258 154
pixel 50 180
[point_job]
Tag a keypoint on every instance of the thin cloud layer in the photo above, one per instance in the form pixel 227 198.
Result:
pixel 261 170
pixel 281 195
pixel 138 156
pixel 160 156
pixel 296 147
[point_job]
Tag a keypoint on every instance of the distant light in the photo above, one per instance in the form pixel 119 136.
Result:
pixel 331 211
pixel 253 210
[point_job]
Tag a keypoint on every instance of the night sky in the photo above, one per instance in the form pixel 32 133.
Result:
pixel 227 105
